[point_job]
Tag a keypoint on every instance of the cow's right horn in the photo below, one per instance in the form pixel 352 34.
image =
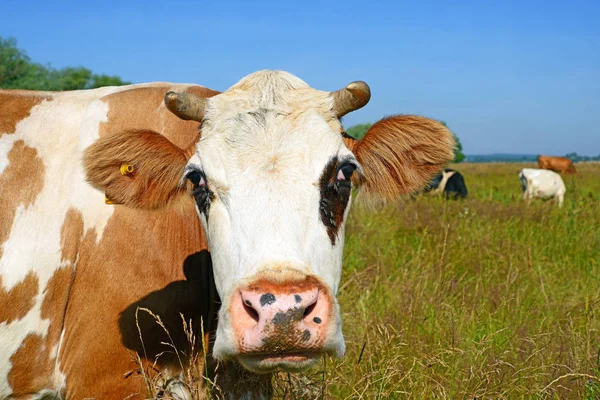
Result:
pixel 186 105
pixel 354 96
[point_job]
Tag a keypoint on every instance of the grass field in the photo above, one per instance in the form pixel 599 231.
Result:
pixel 481 298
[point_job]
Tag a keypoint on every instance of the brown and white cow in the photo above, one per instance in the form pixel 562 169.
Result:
pixel 561 165
pixel 267 186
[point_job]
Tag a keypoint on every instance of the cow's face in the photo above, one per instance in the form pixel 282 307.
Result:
pixel 272 179
pixel 272 182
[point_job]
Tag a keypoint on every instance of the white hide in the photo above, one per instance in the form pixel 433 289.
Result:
pixel 543 184
pixel 263 160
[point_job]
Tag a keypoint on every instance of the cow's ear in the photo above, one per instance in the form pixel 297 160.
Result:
pixel 399 155
pixel 140 169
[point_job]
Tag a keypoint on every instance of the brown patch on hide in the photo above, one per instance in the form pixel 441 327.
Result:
pixel 55 303
pixel 201 91
pixel 15 106
pixel 144 109
pixel 20 184
pixel 31 367
pixel 139 261
pixel 19 300
pixel 400 154
pixel 71 233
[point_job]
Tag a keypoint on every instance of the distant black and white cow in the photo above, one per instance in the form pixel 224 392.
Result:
pixel 543 184
pixel 449 182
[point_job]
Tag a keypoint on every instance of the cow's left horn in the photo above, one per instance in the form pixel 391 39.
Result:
pixel 186 105
pixel 354 96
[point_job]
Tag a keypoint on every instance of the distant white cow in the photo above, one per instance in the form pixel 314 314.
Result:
pixel 542 183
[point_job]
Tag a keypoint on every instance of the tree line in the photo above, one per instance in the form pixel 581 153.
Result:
pixel 577 158
pixel 18 71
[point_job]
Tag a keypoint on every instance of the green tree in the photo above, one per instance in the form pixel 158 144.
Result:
pixel 16 68
pixel 72 78
pixel 17 71
pixel 358 131
pixel 459 156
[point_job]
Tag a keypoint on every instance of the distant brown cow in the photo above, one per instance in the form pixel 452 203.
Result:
pixel 557 164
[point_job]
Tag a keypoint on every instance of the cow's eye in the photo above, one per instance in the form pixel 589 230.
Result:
pixel 197 178
pixel 345 172
pixel 200 191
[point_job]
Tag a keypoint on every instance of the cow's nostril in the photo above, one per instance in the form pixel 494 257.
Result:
pixel 309 309
pixel 250 310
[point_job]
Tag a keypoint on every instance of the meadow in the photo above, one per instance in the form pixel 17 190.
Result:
pixel 482 298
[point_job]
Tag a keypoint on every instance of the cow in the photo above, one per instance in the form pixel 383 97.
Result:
pixel 557 164
pixel 543 184
pixel 219 211
pixel 450 183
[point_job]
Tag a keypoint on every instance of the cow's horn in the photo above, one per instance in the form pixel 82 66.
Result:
pixel 186 105
pixel 354 96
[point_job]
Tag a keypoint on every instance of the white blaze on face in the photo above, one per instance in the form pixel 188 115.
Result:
pixel 263 153
pixel 266 202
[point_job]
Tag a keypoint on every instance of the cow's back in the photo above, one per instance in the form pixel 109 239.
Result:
pixel 557 164
pixel 542 183
pixel 73 269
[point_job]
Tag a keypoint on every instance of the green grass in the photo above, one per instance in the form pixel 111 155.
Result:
pixel 482 298
pixel 486 298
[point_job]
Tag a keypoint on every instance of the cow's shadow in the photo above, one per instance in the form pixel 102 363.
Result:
pixel 195 299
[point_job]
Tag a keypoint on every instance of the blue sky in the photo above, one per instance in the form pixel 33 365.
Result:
pixel 516 77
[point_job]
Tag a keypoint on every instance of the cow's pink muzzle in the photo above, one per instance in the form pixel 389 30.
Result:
pixel 281 325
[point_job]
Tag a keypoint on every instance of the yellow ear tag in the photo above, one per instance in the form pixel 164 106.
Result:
pixel 126 169
pixel 107 200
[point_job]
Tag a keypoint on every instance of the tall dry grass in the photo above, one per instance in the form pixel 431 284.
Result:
pixel 194 382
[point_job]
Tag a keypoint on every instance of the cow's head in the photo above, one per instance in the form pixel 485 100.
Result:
pixel 272 178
